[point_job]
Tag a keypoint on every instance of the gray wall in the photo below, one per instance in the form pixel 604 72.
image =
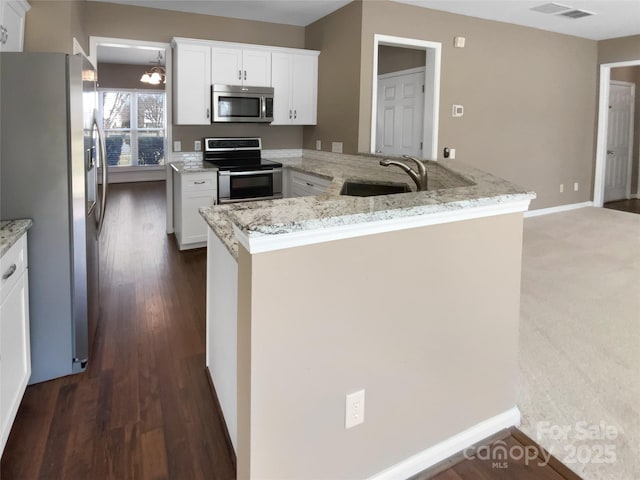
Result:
pixel 529 97
pixel 119 75
pixel 395 59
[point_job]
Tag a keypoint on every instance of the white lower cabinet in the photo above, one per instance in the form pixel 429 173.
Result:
pixel 305 184
pixel 190 192
pixel 15 350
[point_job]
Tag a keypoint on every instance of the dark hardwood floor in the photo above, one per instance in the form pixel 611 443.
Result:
pixel 632 205
pixel 144 409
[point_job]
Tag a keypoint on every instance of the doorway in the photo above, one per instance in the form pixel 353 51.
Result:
pixel 603 154
pixel 404 113
pixel 619 141
pixel 148 54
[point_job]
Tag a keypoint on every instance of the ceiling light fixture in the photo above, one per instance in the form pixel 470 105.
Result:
pixel 551 8
pixel 157 74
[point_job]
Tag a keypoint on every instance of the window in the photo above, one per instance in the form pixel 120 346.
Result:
pixel 134 123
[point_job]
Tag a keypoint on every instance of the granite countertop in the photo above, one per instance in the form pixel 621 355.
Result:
pixel 452 186
pixel 11 231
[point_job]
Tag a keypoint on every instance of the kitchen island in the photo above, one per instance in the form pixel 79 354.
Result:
pixel 412 297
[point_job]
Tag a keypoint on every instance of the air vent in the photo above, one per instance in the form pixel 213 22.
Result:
pixel 576 14
pixel 551 8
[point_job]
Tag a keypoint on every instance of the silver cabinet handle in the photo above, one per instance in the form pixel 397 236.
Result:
pixel 207 113
pixel 310 184
pixel 239 74
pixel 4 35
pixel 610 152
pixel 11 271
pixel 245 74
pixel 290 115
pixel 295 114
pixel 199 182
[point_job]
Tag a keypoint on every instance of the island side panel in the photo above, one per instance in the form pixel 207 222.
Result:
pixel 221 357
pixel 425 320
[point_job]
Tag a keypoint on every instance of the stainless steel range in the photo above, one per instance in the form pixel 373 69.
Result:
pixel 243 174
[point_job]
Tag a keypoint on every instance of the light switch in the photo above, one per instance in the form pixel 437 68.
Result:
pixel 177 146
pixel 457 111
pixel 458 42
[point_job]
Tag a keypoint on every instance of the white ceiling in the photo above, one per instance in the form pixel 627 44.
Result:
pixel 612 19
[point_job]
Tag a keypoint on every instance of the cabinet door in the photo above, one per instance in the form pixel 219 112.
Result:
pixel 226 66
pixel 12 19
pixel 256 68
pixel 15 356
pixel 194 227
pixel 304 86
pixel 192 103
pixel 281 83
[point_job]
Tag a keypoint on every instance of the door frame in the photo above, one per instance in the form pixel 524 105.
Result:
pixel 94 42
pixel 433 52
pixel 631 132
pixel 401 73
pixel 603 128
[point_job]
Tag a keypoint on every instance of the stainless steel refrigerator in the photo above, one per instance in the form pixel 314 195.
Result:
pixel 51 151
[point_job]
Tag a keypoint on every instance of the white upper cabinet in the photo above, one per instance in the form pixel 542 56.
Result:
pixel 198 64
pixel 12 13
pixel 295 83
pixel 238 66
pixel 192 99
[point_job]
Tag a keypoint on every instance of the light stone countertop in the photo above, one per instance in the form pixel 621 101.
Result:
pixel 452 186
pixel 11 231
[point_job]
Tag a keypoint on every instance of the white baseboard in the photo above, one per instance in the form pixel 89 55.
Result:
pixel 451 446
pixel 560 208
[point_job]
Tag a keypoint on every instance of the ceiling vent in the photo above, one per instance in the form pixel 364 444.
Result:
pixel 551 8
pixel 576 14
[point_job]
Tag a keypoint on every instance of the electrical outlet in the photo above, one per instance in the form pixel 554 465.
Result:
pixel 576 187
pixel 336 147
pixel 318 144
pixel 354 410
pixel 177 146
pixel 452 153
pixel 561 187
pixel 197 146
pixel 457 111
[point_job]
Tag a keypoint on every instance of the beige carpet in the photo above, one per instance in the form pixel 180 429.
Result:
pixel 579 389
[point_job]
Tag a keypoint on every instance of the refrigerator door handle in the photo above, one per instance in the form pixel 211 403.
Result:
pixel 105 175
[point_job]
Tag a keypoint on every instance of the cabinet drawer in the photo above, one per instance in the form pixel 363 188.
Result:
pixel 12 264
pixel 195 182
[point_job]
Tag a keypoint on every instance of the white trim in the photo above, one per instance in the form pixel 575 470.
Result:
pixel 451 446
pixel 400 73
pixel 433 52
pixel 267 243
pixel 558 209
pixel 603 121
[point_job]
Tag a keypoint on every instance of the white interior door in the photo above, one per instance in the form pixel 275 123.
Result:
pixel 400 114
pixel 619 142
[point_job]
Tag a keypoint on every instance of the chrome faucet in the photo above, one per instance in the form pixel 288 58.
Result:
pixel 419 177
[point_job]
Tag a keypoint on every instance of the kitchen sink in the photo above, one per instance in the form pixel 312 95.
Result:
pixel 368 189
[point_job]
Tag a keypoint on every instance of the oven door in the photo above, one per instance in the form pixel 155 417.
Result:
pixel 234 186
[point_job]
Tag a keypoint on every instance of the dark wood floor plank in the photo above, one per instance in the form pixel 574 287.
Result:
pixel 631 205
pixel 126 417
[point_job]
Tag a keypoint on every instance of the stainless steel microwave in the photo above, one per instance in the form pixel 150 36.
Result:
pixel 233 103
